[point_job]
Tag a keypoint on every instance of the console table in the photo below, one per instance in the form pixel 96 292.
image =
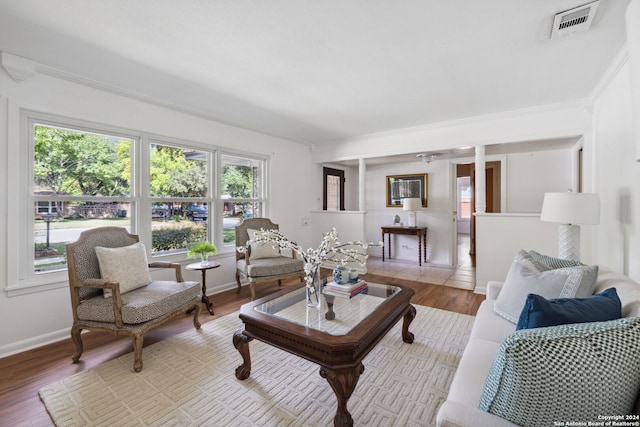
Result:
pixel 421 232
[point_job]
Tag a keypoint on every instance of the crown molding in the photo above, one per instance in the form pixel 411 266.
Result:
pixel 18 68
pixel 620 60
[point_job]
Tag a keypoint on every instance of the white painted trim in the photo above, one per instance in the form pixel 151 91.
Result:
pixel 34 342
pixel 621 58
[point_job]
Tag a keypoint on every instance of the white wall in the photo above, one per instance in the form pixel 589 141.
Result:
pixel 436 216
pixel 545 122
pixel 530 175
pixel 500 236
pixel 617 174
pixel 48 312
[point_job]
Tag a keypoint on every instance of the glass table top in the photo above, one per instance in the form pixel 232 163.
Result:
pixel 349 312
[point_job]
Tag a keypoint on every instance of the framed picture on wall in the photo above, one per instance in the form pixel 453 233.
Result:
pixel 403 186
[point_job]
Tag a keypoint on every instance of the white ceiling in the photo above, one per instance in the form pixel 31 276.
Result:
pixel 319 71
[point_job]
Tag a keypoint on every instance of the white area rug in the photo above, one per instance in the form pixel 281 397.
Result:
pixel 188 380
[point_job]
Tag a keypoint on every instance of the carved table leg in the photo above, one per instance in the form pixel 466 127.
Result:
pixel 241 343
pixel 343 382
pixel 408 318
pixel 205 297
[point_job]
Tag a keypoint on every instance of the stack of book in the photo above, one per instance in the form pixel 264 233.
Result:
pixel 348 290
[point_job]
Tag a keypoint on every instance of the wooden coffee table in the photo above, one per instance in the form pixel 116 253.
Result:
pixel 339 345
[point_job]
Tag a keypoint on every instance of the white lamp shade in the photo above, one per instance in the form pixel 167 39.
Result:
pixel 571 208
pixel 411 204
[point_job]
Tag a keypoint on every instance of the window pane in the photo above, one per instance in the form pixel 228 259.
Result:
pixel 233 213
pixel 60 222
pixel 177 172
pixel 241 177
pixel 177 225
pixel 72 162
pixel 333 192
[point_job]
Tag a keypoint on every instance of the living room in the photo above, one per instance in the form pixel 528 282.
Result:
pixel 140 99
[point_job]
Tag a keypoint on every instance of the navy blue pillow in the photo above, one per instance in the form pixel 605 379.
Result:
pixel 539 312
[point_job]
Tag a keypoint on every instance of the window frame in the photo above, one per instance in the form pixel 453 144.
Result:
pixel 263 198
pixel 21 276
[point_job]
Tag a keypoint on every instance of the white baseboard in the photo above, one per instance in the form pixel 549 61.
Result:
pixel 35 342
pixel 480 290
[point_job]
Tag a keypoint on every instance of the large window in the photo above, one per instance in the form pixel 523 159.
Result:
pixel 172 193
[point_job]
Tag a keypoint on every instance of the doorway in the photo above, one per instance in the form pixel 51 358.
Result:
pixel 464 237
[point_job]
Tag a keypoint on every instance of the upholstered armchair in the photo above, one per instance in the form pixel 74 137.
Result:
pixel 112 290
pixel 262 262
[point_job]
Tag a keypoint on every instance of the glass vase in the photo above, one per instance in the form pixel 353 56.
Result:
pixel 314 291
pixel 204 260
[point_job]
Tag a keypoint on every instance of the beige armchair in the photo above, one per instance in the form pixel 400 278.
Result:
pixel 273 266
pixel 126 312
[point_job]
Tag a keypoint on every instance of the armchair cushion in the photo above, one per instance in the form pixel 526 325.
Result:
pixel 262 250
pixel 126 265
pixel 265 267
pixel 143 304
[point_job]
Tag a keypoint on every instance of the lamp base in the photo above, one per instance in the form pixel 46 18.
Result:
pixel 412 219
pixel 569 242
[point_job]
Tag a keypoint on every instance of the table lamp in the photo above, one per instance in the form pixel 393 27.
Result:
pixel 411 204
pixel 570 209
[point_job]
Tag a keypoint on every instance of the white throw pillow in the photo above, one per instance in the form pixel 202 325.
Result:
pixel 264 249
pixel 126 265
pixel 528 276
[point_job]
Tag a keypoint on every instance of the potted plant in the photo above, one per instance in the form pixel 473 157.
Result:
pixel 204 249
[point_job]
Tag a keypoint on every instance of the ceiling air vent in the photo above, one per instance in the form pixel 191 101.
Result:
pixel 574 20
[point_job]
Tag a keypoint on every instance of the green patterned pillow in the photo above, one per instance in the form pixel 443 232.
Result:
pixel 568 372
pixel 552 262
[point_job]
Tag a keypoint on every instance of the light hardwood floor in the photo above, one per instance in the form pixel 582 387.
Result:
pixel 22 375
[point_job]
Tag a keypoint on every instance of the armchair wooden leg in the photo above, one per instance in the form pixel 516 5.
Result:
pixel 137 351
pixel 238 282
pixel 76 337
pixel 252 288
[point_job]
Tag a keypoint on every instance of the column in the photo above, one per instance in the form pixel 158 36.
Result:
pixel 481 185
pixel 362 185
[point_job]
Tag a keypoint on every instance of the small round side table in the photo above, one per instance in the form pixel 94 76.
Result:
pixel 204 268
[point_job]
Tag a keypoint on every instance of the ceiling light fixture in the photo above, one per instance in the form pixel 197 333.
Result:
pixel 427 157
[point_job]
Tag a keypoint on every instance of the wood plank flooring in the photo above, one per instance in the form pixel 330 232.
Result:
pixel 23 374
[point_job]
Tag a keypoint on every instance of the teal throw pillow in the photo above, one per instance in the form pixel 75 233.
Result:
pixel 539 312
pixel 571 372
pixel 552 262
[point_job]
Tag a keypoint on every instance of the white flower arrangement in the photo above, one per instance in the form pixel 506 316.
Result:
pixel 330 249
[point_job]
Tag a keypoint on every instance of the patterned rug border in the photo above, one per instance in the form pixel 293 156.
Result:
pixel 403 384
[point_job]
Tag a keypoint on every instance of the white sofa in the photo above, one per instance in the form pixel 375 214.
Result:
pixel 489 330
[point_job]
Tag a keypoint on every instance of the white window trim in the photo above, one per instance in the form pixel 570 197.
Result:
pixel 20 277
